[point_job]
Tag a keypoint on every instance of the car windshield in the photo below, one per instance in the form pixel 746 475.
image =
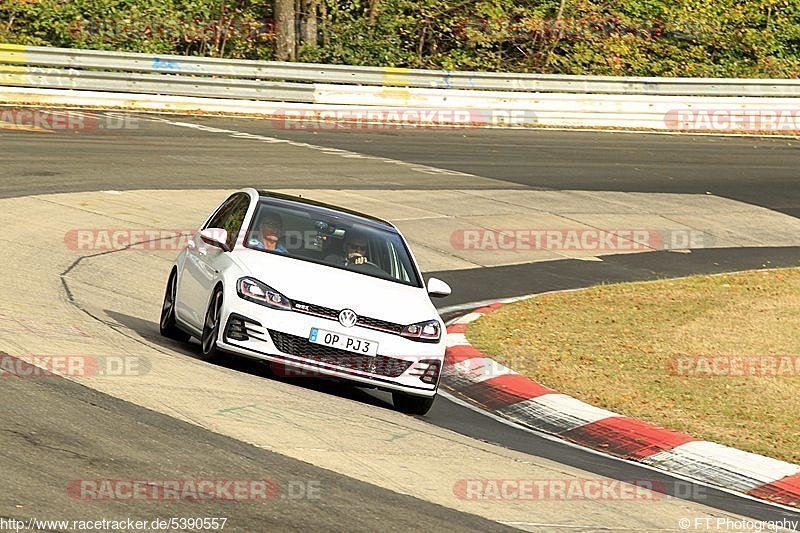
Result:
pixel 332 238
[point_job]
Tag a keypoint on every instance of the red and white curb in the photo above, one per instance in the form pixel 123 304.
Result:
pixel 479 380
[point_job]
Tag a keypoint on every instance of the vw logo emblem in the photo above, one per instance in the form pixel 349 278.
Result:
pixel 348 318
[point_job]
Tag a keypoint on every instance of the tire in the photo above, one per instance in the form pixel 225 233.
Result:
pixel 411 404
pixel 167 325
pixel 208 341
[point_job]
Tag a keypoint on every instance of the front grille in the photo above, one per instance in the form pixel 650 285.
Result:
pixel 318 310
pixel 333 314
pixel 301 347
pixel 374 323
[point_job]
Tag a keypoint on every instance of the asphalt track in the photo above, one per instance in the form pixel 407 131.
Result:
pixel 55 432
pixel 761 171
pixel 157 155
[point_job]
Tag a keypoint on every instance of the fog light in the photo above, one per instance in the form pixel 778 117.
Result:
pixel 237 329
pixel 431 373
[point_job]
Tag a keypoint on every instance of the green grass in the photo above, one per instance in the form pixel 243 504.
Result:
pixel 612 346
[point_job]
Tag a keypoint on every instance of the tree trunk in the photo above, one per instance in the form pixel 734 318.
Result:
pixel 372 14
pixel 559 18
pixel 308 22
pixel 323 16
pixel 285 21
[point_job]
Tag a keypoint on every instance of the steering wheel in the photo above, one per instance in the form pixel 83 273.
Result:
pixel 367 265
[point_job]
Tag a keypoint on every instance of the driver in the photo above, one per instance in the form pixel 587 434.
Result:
pixel 355 251
pixel 268 234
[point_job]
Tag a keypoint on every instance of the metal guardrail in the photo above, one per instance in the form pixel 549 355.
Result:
pixel 176 85
pixel 42 67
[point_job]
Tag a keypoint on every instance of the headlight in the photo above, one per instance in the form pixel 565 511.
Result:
pixel 429 331
pixel 260 293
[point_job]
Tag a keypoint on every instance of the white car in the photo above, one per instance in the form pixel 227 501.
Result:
pixel 310 286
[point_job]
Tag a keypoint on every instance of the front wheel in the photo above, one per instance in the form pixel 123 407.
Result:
pixel 167 325
pixel 208 341
pixel 411 404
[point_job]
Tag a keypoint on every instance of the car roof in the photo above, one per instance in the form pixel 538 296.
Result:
pixel 288 198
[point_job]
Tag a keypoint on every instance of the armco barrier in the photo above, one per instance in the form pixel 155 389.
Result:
pixel 30 74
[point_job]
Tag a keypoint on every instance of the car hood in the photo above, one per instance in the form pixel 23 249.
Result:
pixel 337 288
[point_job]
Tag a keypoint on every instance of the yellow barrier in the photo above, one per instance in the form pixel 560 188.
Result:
pixel 393 79
pixel 11 75
pixel 12 53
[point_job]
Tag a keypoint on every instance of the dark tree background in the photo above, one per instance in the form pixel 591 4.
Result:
pixel 716 38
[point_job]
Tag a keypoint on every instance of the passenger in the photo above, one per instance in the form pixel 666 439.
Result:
pixel 268 235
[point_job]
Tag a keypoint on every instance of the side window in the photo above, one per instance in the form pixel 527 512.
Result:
pixel 230 216
pixel 222 212
pixel 233 224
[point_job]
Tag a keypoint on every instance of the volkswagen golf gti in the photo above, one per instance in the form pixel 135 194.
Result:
pixel 312 287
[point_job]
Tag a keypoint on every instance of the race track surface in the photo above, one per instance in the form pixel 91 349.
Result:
pixel 56 430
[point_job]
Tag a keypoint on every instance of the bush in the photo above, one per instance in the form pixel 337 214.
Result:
pixel 722 38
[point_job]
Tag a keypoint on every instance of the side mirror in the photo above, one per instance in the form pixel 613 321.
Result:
pixel 216 237
pixel 438 288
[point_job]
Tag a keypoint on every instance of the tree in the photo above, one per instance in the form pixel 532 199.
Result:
pixel 308 22
pixel 285 45
pixel 372 12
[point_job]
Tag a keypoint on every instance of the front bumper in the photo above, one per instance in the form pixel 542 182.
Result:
pixel 281 337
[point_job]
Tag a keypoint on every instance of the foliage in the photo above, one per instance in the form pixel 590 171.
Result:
pixel 719 38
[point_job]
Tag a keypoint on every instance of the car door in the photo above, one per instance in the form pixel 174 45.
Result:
pixel 214 262
pixel 199 270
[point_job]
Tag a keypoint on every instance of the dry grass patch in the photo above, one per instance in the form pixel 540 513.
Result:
pixel 613 346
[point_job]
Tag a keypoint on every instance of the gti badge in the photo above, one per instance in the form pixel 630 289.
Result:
pixel 348 318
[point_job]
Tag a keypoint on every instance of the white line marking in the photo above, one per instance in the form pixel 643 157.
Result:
pixel 425 169
pixel 484 303
pixel 216 114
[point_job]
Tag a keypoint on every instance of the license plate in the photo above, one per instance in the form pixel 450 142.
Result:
pixel 343 342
